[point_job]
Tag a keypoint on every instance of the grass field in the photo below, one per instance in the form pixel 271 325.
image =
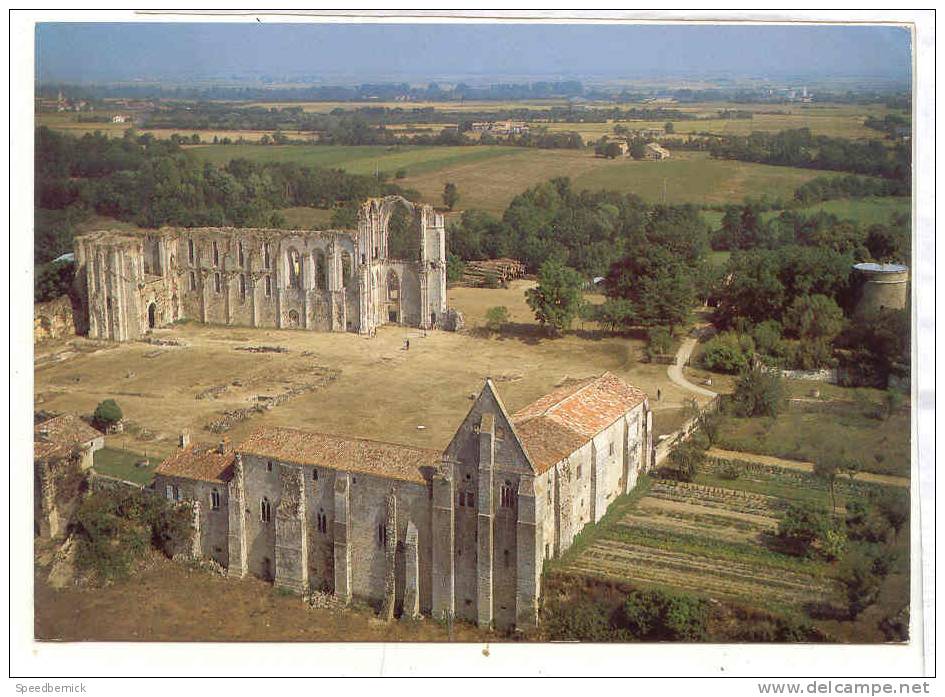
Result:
pixel 488 177
pixel 427 386
pixel 865 211
pixel 122 464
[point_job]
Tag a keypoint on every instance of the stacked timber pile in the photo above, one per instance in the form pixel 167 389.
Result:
pixel 492 271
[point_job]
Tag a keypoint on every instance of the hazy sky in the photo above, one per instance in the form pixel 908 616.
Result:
pixel 74 52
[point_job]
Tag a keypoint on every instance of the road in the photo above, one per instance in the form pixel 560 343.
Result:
pixel 675 371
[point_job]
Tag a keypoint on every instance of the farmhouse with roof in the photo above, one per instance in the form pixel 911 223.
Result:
pixel 460 533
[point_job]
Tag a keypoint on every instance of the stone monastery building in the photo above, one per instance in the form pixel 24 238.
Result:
pixel 322 280
pixel 460 533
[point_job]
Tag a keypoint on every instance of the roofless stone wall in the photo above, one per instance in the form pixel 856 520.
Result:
pixel 320 280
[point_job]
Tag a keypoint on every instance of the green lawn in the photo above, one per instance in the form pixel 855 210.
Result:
pixel 841 425
pixel 358 159
pixel 121 464
pixel 865 211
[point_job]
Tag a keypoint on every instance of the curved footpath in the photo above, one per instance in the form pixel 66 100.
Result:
pixel 675 372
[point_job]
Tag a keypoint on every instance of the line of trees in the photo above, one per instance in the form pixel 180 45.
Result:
pixel 800 148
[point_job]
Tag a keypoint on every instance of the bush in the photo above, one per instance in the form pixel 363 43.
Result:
pixel 860 584
pixel 801 526
pixel 454 268
pixel 496 317
pixel 687 459
pixel 659 340
pixel 583 620
pixel 758 392
pixel 655 615
pixel 767 336
pixel 113 529
pixel 107 412
pixel 730 471
pixel 728 352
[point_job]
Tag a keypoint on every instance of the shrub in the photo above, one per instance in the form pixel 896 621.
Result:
pixel 767 336
pixel 730 471
pixel 582 620
pixel 113 529
pixel 655 615
pixel 400 174
pixel 659 340
pixel 454 268
pixel 801 526
pixel 496 317
pixel 860 584
pixel 687 459
pixel 758 392
pixel 107 412
pixel 729 352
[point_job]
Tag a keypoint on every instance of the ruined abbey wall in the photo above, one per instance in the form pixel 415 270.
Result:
pixel 326 280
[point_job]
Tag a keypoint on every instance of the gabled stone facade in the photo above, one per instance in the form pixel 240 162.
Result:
pixel 320 280
pixel 461 533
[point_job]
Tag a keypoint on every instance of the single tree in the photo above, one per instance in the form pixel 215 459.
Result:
pixel 558 297
pixel 107 413
pixel 450 195
pixel 496 318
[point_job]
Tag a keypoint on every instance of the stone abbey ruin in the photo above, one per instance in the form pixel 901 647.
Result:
pixel 321 280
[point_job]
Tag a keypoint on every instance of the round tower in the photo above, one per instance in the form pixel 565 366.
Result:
pixel 884 287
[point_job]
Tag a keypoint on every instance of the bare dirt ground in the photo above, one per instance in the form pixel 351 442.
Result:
pixel 166 601
pixel 364 387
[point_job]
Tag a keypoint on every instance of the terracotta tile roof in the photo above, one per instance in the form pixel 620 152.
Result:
pixel 201 462
pixel 340 453
pixel 59 435
pixel 554 426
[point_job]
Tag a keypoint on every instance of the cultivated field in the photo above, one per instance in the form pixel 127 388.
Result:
pixel 716 538
pixel 342 383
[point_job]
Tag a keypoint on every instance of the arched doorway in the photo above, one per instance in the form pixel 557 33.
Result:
pixel 393 297
pixel 152 316
pixel 293 318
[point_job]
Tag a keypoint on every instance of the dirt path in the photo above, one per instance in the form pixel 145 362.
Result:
pixel 887 479
pixel 676 374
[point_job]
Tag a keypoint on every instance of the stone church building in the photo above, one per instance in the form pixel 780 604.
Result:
pixel 321 280
pixel 460 533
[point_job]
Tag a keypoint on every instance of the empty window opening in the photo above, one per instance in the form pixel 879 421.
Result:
pixel 265 510
pixel 267 258
pixel 269 466
pixel 193 281
pixel 322 523
pixel 215 500
pixel 321 272
pixel 315 475
pixel 191 254
pixel 507 495
pixel 216 254
pixel 242 288
pixel 268 286
pixel 393 287
pixel 295 269
pixel 382 535
pixel 240 255
pixel 217 282
pixel 346 269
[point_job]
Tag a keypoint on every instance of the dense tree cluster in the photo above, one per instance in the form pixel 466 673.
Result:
pixel 801 148
pixel 153 183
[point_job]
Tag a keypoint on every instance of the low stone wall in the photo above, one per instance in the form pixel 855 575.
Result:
pixel 99 482
pixel 662 449
pixel 823 375
pixel 53 320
